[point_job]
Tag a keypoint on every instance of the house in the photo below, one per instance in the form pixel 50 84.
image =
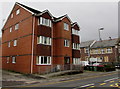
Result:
pixel 105 50
pixel 85 49
pixel 35 41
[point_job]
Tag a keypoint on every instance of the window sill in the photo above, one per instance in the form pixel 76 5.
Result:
pixel 43 64
pixel 44 44
pixel 44 25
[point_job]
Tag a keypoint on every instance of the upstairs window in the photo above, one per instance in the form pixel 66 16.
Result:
pixel 109 50
pixel 76 46
pixel 10 29
pixel 46 22
pixel 102 51
pixel 86 50
pixel 66 26
pixel 13 59
pixel 66 43
pixel 15 43
pixel 44 40
pixel 12 15
pixel 75 32
pixel 17 11
pixel 16 26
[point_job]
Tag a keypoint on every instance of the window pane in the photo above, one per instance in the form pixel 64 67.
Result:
pixel 45 60
pixel 42 60
pixel 41 22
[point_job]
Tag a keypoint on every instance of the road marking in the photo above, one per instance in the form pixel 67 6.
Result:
pixel 111 79
pixel 87 85
pixel 64 81
pixel 102 83
pixel 90 87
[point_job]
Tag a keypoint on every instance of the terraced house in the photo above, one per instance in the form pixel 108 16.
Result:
pixel 104 51
pixel 34 41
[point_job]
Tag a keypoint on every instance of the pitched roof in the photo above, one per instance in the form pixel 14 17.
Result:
pixel 75 23
pixel 28 8
pixel 105 43
pixel 86 43
pixel 61 17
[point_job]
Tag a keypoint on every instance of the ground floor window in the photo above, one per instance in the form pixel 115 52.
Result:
pixel 43 60
pixel 13 59
pixel 8 58
pixel 76 60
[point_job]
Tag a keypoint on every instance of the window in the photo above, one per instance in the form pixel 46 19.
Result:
pixel 45 22
pixel 16 26
pixel 66 43
pixel 119 50
pixel 8 59
pixel 76 60
pixel 86 50
pixel 66 26
pixel 13 59
pixel 44 40
pixel 76 46
pixel 43 60
pixel 75 32
pixel 17 11
pixel 109 50
pixel 8 44
pixel 12 15
pixel 15 43
pixel 10 29
pixel 96 51
pixel 102 51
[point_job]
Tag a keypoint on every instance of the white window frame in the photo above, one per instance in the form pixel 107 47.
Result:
pixel 76 61
pixel 44 40
pixel 8 59
pixel 13 59
pixel 43 57
pixel 11 15
pixel 119 50
pixel 102 51
pixel 17 11
pixel 66 43
pixel 109 50
pixel 16 26
pixel 8 44
pixel 66 26
pixel 15 43
pixel 76 46
pixel 10 29
pixel 45 22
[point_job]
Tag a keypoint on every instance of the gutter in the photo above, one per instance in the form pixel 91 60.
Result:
pixel 32 57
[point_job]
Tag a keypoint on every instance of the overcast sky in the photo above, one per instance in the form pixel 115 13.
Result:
pixel 89 15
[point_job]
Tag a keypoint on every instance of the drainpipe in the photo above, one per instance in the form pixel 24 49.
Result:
pixel 32 57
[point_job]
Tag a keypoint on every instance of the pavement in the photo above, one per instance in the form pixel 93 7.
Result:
pixel 11 79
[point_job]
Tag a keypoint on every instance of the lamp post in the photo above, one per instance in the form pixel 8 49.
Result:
pixel 100 29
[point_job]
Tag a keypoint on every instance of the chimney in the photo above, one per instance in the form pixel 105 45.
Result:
pixel 110 38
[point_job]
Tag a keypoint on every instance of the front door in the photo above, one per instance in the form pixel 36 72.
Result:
pixel 67 63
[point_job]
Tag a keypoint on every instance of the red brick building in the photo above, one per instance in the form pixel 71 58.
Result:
pixel 33 40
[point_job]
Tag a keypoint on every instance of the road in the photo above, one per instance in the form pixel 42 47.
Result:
pixel 110 79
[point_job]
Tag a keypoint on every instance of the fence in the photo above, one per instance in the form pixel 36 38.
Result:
pixel 57 68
